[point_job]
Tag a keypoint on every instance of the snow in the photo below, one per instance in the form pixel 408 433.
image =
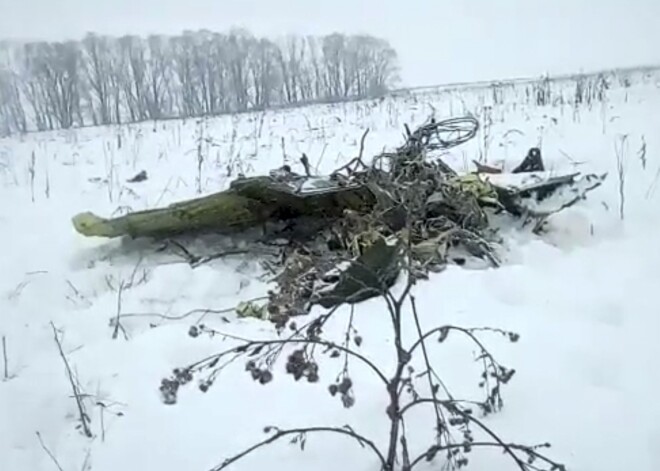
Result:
pixel 582 297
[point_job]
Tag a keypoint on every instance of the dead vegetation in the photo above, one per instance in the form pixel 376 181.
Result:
pixel 458 424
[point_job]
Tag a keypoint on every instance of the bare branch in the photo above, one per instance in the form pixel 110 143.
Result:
pixel 118 326
pixel 203 311
pixel 265 343
pixel 512 446
pixel 4 358
pixel 438 412
pixel 196 260
pixel 362 140
pixel 279 434
pixel 83 417
pixel 507 448
pixel 49 453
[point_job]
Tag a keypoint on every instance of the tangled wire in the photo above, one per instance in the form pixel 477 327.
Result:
pixel 440 135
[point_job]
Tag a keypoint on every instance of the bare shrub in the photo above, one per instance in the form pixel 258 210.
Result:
pixel 458 424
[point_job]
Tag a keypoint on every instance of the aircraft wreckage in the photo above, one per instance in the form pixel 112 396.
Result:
pixel 347 234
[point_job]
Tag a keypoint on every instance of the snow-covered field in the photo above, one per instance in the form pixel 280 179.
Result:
pixel 582 297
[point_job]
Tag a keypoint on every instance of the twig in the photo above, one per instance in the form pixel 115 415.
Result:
pixel 572 161
pixel 102 409
pixel 123 286
pixel 284 157
pixel 200 156
pixel 4 357
pixel 512 446
pixel 492 368
pixel 215 256
pixel 32 171
pixel 266 343
pixel 318 163
pixel 362 139
pixel 302 431
pixel 443 330
pixel 196 260
pixel 654 183
pixel 118 325
pixel 347 337
pixel 621 172
pixel 498 442
pixel 84 418
pixel 405 452
pixel 493 435
pixel 132 283
pixel 49 453
pixel 642 153
pixel 203 311
pixel 438 414
pixel 86 466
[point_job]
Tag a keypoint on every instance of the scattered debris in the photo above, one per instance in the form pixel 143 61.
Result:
pixel 140 177
pixel 251 309
pixel 342 238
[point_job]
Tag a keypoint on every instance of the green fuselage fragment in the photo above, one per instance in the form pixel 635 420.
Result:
pixel 248 203
pixel 221 212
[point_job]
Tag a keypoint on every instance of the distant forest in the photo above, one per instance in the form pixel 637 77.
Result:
pixel 106 80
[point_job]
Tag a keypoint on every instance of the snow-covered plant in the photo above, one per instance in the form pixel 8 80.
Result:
pixel 620 149
pixel 459 426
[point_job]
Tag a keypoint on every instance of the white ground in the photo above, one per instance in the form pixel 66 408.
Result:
pixel 583 298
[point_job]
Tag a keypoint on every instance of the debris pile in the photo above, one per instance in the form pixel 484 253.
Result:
pixel 424 213
pixel 343 238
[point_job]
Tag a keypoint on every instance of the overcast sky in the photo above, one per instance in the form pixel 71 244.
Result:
pixel 438 41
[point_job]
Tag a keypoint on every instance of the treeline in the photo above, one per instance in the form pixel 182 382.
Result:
pixel 105 80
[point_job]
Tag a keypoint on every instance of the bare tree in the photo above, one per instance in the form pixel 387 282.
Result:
pixel 157 77
pixel 265 80
pixel 239 44
pixel 382 67
pixel 133 76
pixel 12 113
pixel 13 117
pixel 53 83
pixel 183 60
pixel 315 66
pixel 101 77
pixel 107 80
pixel 291 57
pixel 334 47
pixel 33 86
pixel 211 72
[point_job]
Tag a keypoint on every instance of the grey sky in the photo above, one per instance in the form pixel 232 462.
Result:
pixel 438 40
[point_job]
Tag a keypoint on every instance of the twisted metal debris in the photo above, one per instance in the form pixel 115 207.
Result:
pixel 421 204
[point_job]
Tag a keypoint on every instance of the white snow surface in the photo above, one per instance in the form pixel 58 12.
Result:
pixel 582 297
